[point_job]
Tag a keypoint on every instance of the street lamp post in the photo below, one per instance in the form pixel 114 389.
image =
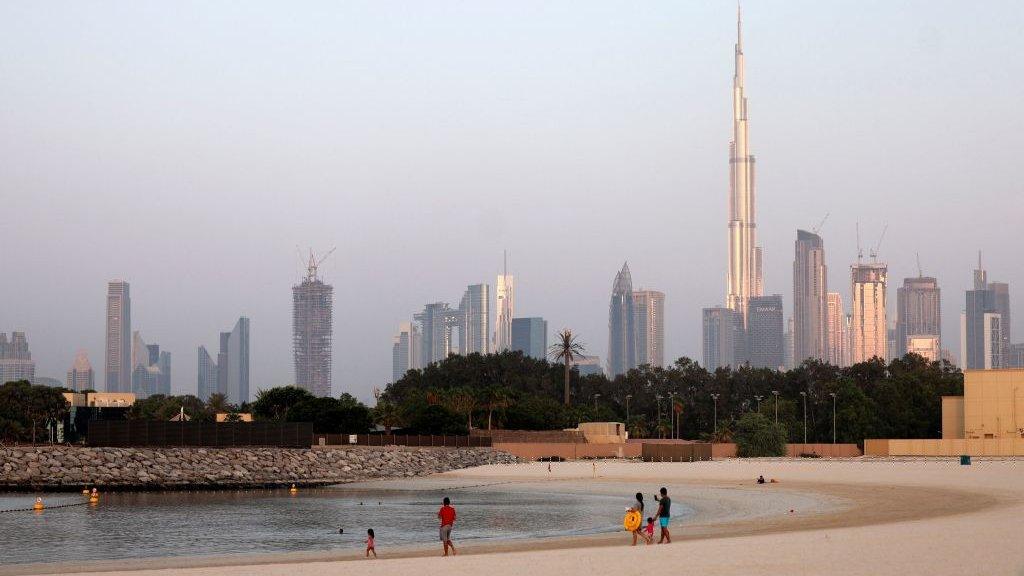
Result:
pixel 714 397
pixel 804 394
pixel 758 398
pixel 628 396
pixel 672 413
pixel 596 396
pixel 657 399
pixel 776 394
pixel 833 395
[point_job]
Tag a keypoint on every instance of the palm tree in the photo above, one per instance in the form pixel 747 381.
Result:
pixel 567 349
pixel 495 398
pixel 385 413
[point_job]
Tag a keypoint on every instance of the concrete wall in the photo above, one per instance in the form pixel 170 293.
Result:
pixel 568 451
pixel 994 403
pixel 972 447
pixel 952 417
pixel 728 450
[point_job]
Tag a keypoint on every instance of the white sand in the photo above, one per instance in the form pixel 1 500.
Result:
pixel 850 517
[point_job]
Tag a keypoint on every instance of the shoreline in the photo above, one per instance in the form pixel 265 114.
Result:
pixel 854 505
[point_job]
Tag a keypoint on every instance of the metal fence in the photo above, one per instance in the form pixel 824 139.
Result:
pixel 401 440
pixel 675 452
pixel 161 433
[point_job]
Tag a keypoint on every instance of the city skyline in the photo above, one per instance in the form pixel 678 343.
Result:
pixel 676 118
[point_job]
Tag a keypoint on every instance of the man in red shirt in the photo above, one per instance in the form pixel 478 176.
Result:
pixel 447 517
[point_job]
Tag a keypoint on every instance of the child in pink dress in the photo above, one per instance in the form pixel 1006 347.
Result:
pixel 369 544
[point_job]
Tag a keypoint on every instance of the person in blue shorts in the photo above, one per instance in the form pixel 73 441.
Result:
pixel 663 515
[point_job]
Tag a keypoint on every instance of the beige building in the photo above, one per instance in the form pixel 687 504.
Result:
pixel 925 345
pixel 649 322
pixel 869 332
pixel 100 399
pixel 988 420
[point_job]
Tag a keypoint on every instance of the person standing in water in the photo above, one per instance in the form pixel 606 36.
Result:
pixel 663 515
pixel 370 548
pixel 447 517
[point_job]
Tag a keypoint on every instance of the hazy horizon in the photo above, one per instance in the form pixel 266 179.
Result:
pixel 190 148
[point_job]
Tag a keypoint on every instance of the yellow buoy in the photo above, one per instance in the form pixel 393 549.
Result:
pixel 38 506
pixel 293 489
pixel 85 491
pixel 632 520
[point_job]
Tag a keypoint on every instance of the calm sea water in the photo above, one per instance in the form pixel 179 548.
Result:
pixel 146 525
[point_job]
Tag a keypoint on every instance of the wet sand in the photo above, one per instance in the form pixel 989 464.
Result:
pixel 849 517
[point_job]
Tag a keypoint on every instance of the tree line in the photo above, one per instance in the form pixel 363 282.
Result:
pixel 873 399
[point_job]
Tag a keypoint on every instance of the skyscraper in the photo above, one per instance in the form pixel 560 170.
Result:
pixel 530 336
pixel 81 376
pixel 15 359
pixel 918 316
pixel 237 386
pixel 405 350
pixel 118 370
pixel 229 375
pixel 869 335
pixel 151 368
pixel 505 310
pixel 436 323
pixel 837 333
pixel 649 310
pixel 810 301
pixel 744 277
pixel 621 325
pixel 207 375
pixel 721 330
pixel 979 323
pixel 475 320
pixel 766 327
pixel 312 323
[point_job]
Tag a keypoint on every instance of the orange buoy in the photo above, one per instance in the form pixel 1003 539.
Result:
pixel 293 489
pixel 38 506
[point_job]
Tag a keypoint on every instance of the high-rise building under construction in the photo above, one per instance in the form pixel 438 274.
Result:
pixel 312 316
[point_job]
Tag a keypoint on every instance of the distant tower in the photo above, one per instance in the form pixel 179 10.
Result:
pixel 744 277
pixel 81 376
pixel 237 386
pixel 405 350
pixel 721 330
pixel 837 332
pixel 474 321
pixel 118 367
pixel 919 317
pixel 312 322
pixel 621 325
pixel 505 310
pixel 649 308
pixel 810 300
pixel 207 375
pixel 530 336
pixel 869 332
pixel 436 323
pixel 15 359
pixel 985 323
pixel 766 329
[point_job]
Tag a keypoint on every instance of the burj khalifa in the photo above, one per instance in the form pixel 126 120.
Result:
pixel 744 278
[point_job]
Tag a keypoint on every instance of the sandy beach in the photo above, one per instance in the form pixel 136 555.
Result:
pixel 857 516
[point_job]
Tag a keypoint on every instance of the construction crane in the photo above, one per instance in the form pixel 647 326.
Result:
pixel 817 228
pixel 874 251
pixel 315 263
pixel 920 273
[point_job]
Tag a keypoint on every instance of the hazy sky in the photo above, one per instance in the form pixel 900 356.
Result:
pixel 190 147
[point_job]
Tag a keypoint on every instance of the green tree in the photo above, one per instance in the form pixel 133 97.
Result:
pixel 756 435
pixel 386 414
pixel 331 416
pixel 567 349
pixel 273 404
pixel 436 419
